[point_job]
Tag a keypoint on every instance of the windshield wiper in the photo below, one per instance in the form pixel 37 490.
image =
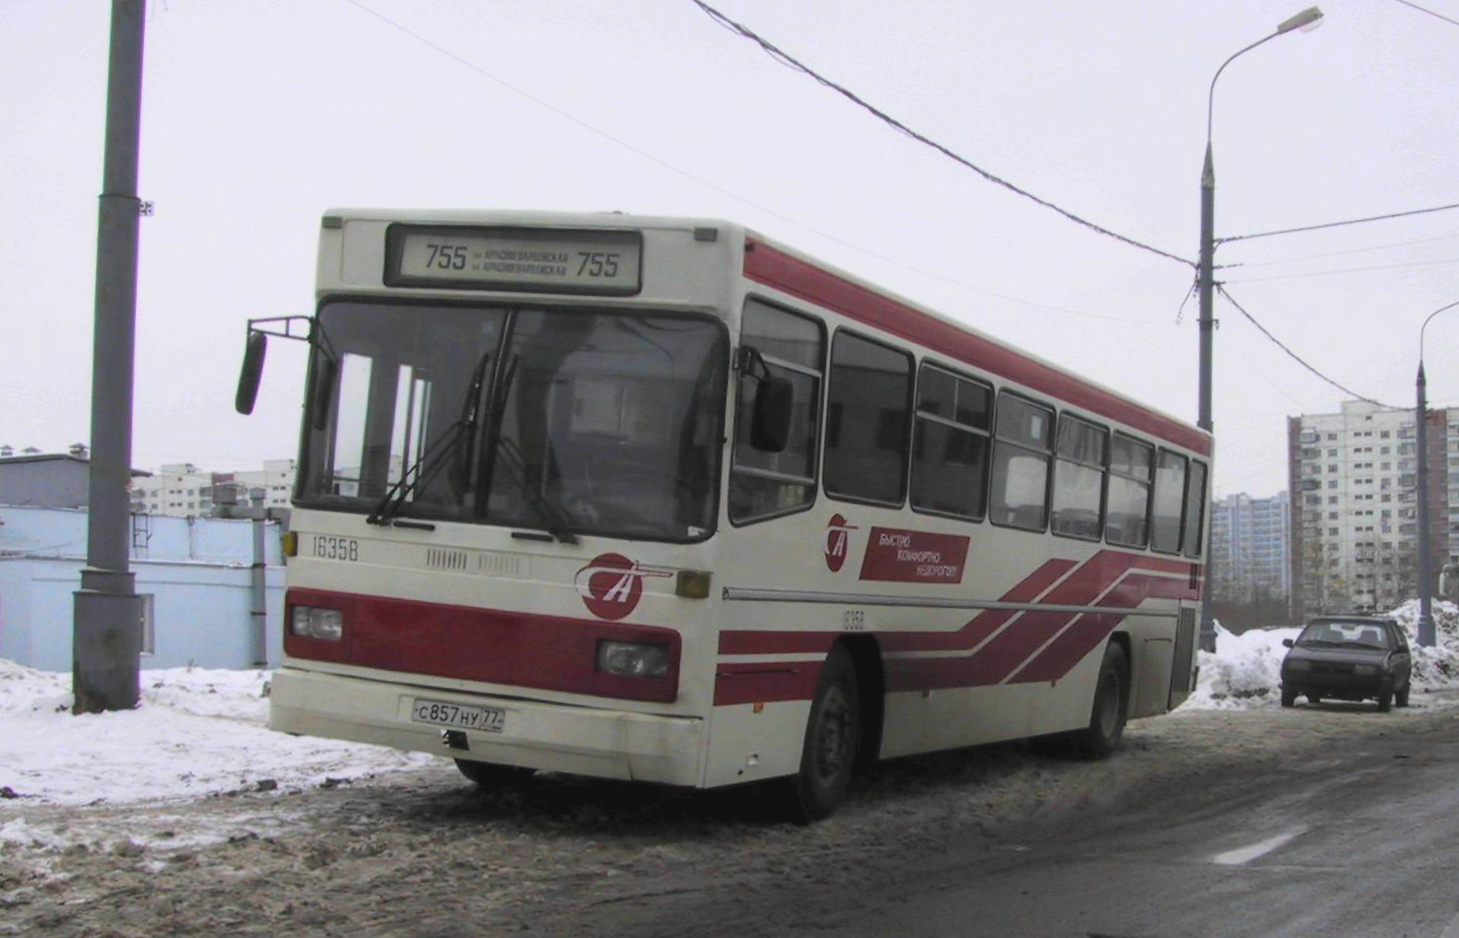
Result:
pixel 430 462
pixel 553 517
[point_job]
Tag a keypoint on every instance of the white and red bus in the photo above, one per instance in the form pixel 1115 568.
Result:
pixel 661 499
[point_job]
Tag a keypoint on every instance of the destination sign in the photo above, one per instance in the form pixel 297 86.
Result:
pixel 522 259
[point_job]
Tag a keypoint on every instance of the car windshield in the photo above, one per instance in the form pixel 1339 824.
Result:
pixel 569 421
pixel 1362 634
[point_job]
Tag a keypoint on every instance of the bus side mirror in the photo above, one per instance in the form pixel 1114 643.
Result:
pixel 770 420
pixel 248 378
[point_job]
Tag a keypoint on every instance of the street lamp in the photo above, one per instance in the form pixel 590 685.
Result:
pixel 1308 19
pixel 1426 635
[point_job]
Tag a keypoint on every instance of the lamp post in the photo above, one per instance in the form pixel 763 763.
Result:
pixel 1426 634
pixel 1308 19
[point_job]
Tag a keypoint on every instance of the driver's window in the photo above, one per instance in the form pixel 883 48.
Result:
pixel 766 484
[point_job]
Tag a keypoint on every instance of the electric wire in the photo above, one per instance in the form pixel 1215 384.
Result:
pixel 1293 355
pixel 1428 11
pixel 1042 307
pixel 795 64
pixel 1334 224
pixel 1326 254
pixel 1347 270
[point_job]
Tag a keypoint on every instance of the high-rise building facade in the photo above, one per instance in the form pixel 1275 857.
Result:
pixel 1250 539
pixel 1354 482
pixel 183 489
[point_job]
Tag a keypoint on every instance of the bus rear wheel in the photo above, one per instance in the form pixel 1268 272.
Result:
pixel 1111 705
pixel 832 741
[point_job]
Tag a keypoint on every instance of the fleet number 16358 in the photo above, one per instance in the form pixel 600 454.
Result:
pixel 336 548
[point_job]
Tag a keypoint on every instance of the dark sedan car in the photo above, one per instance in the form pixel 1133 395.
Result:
pixel 1348 658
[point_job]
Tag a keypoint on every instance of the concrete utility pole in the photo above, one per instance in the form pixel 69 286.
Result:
pixel 1308 19
pixel 107 635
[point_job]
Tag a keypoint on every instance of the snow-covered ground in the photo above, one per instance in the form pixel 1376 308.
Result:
pixel 200 733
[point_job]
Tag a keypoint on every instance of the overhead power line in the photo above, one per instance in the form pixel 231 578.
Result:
pixel 1294 356
pixel 790 61
pixel 1428 11
pixel 466 63
pixel 1334 224
pixel 1348 253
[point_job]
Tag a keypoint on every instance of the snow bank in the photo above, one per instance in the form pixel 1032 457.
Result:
pixel 1245 670
pixel 195 732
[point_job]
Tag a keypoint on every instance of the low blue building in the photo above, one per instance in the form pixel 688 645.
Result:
pixel 207 606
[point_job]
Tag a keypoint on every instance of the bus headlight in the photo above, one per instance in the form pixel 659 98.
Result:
pixel 631 659
pixel 313 622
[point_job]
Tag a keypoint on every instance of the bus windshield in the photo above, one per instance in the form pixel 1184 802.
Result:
pixel 602 423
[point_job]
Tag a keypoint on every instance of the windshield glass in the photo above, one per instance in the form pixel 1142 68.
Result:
pixel 597 423
pixel 1366 634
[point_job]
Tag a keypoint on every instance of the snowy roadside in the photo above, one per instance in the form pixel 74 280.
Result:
pixel 1245 671
pixel 201 734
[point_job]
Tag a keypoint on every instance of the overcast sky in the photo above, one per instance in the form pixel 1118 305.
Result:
pixel 259 115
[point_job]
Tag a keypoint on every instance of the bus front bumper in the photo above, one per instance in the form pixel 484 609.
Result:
pixel 546 736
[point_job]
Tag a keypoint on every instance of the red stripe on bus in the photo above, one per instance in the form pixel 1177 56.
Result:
pixel 775 643
pixel 1008 651
pixel 765 642
pixel 769 682
pixel 1090 631
pixel 985 623
pixel 516 649
pixel 774 268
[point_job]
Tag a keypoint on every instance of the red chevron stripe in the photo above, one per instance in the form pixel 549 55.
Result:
pixel 1089 631
pixel 1011 649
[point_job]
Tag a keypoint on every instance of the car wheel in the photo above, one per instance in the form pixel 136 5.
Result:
pixel 1400 699
pixel 490 775
pixel 1385 700
pixel 832 740
pixel 1107 716
pixel 1289 697
pixel 1314 699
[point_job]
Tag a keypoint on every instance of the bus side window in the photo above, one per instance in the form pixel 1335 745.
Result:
pixel 1168 502
pixel 766 484
pixel 1022 454
pixel 950 443
pixel 866 420
pixel 1128 494
pixel 1195 510
pixel 1083 449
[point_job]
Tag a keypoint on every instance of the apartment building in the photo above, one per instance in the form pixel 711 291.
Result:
pixel 1354 482
pixel 1250 540
pixel 183 490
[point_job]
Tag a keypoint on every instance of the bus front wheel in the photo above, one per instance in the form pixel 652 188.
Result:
pixel 832 740
pixel 1111 705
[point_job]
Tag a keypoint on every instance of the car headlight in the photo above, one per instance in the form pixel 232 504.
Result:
pixel 631 659
pixel 313 622
pixel 1365 670
pixel 1299 665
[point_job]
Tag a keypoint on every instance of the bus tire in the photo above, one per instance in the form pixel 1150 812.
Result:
pixel 1111 705
pixel 832 740
pixel 490 775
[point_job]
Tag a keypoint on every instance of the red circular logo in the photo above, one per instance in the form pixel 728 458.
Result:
pixel 610 586
pixel 838 542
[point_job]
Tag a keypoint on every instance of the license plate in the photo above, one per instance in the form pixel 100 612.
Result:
pixel 441 713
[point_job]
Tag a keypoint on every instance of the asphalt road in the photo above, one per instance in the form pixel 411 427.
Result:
pixel 1357 842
